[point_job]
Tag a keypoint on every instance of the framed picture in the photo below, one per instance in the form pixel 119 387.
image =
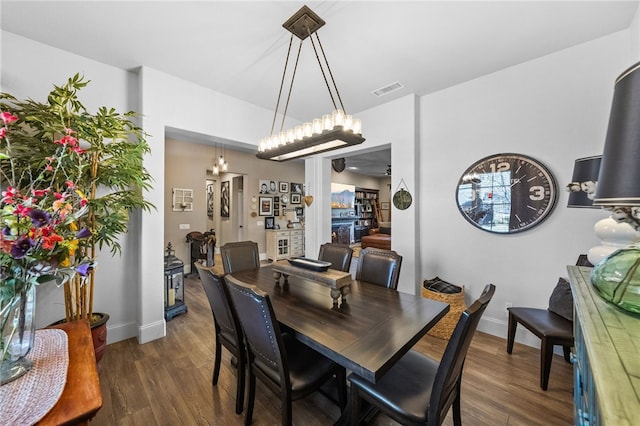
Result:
pixel 384 205
pixel 210 194
pixel 284 187
pixel 266 206
pixel 269 222
pixel 276 205
pixel 299 211
pixel 296 198
pixel 296 187
pixel 224 199
pixel 276 212
pixel 276 200
pixel 266 186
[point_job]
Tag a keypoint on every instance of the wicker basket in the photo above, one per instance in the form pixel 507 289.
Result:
pixel 444 328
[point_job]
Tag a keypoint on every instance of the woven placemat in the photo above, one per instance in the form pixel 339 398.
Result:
pixel 27 399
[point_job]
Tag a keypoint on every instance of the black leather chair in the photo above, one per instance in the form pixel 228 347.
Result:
pixel 378 266
pixel 549 327
pixel 228 330
pixel 418 390
pixel 239 256
pixel 289 368
pixel 339 255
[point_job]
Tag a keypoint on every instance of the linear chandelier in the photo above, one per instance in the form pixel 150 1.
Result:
pixel 331 131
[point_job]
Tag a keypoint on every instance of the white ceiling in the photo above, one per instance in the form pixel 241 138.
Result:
pixel 239 47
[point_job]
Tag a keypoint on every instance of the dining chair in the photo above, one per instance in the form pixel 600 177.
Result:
pixel 339 255
pixel 378 266
pixel 417 389
pixel 553 326
pixel 227 328
pixel 289 368
pixel 239 256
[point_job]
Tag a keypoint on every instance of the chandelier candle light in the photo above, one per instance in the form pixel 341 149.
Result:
pixel 331 131
pixel 617 277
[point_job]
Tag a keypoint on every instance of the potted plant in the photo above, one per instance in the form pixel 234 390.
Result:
pixel 106 168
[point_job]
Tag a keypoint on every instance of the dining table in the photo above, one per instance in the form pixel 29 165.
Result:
pixel 366 334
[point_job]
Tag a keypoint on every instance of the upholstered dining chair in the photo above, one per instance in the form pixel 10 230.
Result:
pixel 419 390
pixel 378 266
pixel 553 326
pixel 239 256
pixel 339 255
pixel 227 328
pixel 289 368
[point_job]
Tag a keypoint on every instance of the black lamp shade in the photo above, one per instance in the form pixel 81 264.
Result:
pixel 585 170
pixel 619 178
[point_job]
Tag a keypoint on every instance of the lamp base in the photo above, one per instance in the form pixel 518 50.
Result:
pixel 613 236
pixel 617 278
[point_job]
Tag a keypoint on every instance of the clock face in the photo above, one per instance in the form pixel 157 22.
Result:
pixel 402 199
pixel 506 193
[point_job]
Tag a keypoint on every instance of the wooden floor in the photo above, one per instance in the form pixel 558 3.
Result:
pixel 168 382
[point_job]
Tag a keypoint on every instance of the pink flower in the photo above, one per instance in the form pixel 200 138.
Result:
pixel 10 192
pixel 7 117
pixel 3 132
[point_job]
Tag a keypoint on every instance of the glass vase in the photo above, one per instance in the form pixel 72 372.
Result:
pixel 17 324
pixel 617 278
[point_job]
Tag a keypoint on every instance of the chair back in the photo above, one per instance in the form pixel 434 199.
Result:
pixel 226 321
pixel 378 266
pixel 240 256
pixel 261 330
pixel 339 255
pixel 448 378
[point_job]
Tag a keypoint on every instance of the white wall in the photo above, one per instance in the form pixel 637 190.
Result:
pixel 555 109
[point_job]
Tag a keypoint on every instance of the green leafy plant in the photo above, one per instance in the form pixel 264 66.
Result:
pixel 106 168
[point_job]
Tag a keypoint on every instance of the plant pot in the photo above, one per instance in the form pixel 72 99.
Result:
pixel 98 326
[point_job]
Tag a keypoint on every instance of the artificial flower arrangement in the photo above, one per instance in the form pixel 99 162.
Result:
pixel 39 239
pixel 40 233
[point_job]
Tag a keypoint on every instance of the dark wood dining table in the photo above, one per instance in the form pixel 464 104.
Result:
pixel 367 334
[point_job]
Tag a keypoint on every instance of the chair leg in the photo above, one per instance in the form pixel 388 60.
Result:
pixel 250 398
pixel 355 405
pixel 341 382
pixel 241 371
pixel 511 335
pixel 457 417
pixel 216 363
pixel 546 356
pixel 567 353
pixel 287 415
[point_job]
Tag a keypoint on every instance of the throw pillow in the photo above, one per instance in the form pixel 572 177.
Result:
pixel 561 300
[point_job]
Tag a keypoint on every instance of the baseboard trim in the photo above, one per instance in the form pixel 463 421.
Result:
pixel 153 331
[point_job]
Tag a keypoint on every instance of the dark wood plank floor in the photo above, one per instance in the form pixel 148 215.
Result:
pixel 168 382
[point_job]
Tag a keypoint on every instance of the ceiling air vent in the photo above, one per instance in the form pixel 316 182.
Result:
pixel 389 88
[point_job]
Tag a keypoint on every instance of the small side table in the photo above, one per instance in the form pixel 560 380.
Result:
pixel 81 398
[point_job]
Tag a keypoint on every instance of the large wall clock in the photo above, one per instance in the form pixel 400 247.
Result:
pixel 506 193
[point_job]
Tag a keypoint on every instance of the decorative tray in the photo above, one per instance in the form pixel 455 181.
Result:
pixel 312 264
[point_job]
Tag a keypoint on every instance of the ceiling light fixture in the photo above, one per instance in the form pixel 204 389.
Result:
pixel 332 131
pixel 220 164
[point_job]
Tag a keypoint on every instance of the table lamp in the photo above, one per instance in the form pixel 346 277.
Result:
pixel 613 235
pixel 617 277
pixel 291 217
